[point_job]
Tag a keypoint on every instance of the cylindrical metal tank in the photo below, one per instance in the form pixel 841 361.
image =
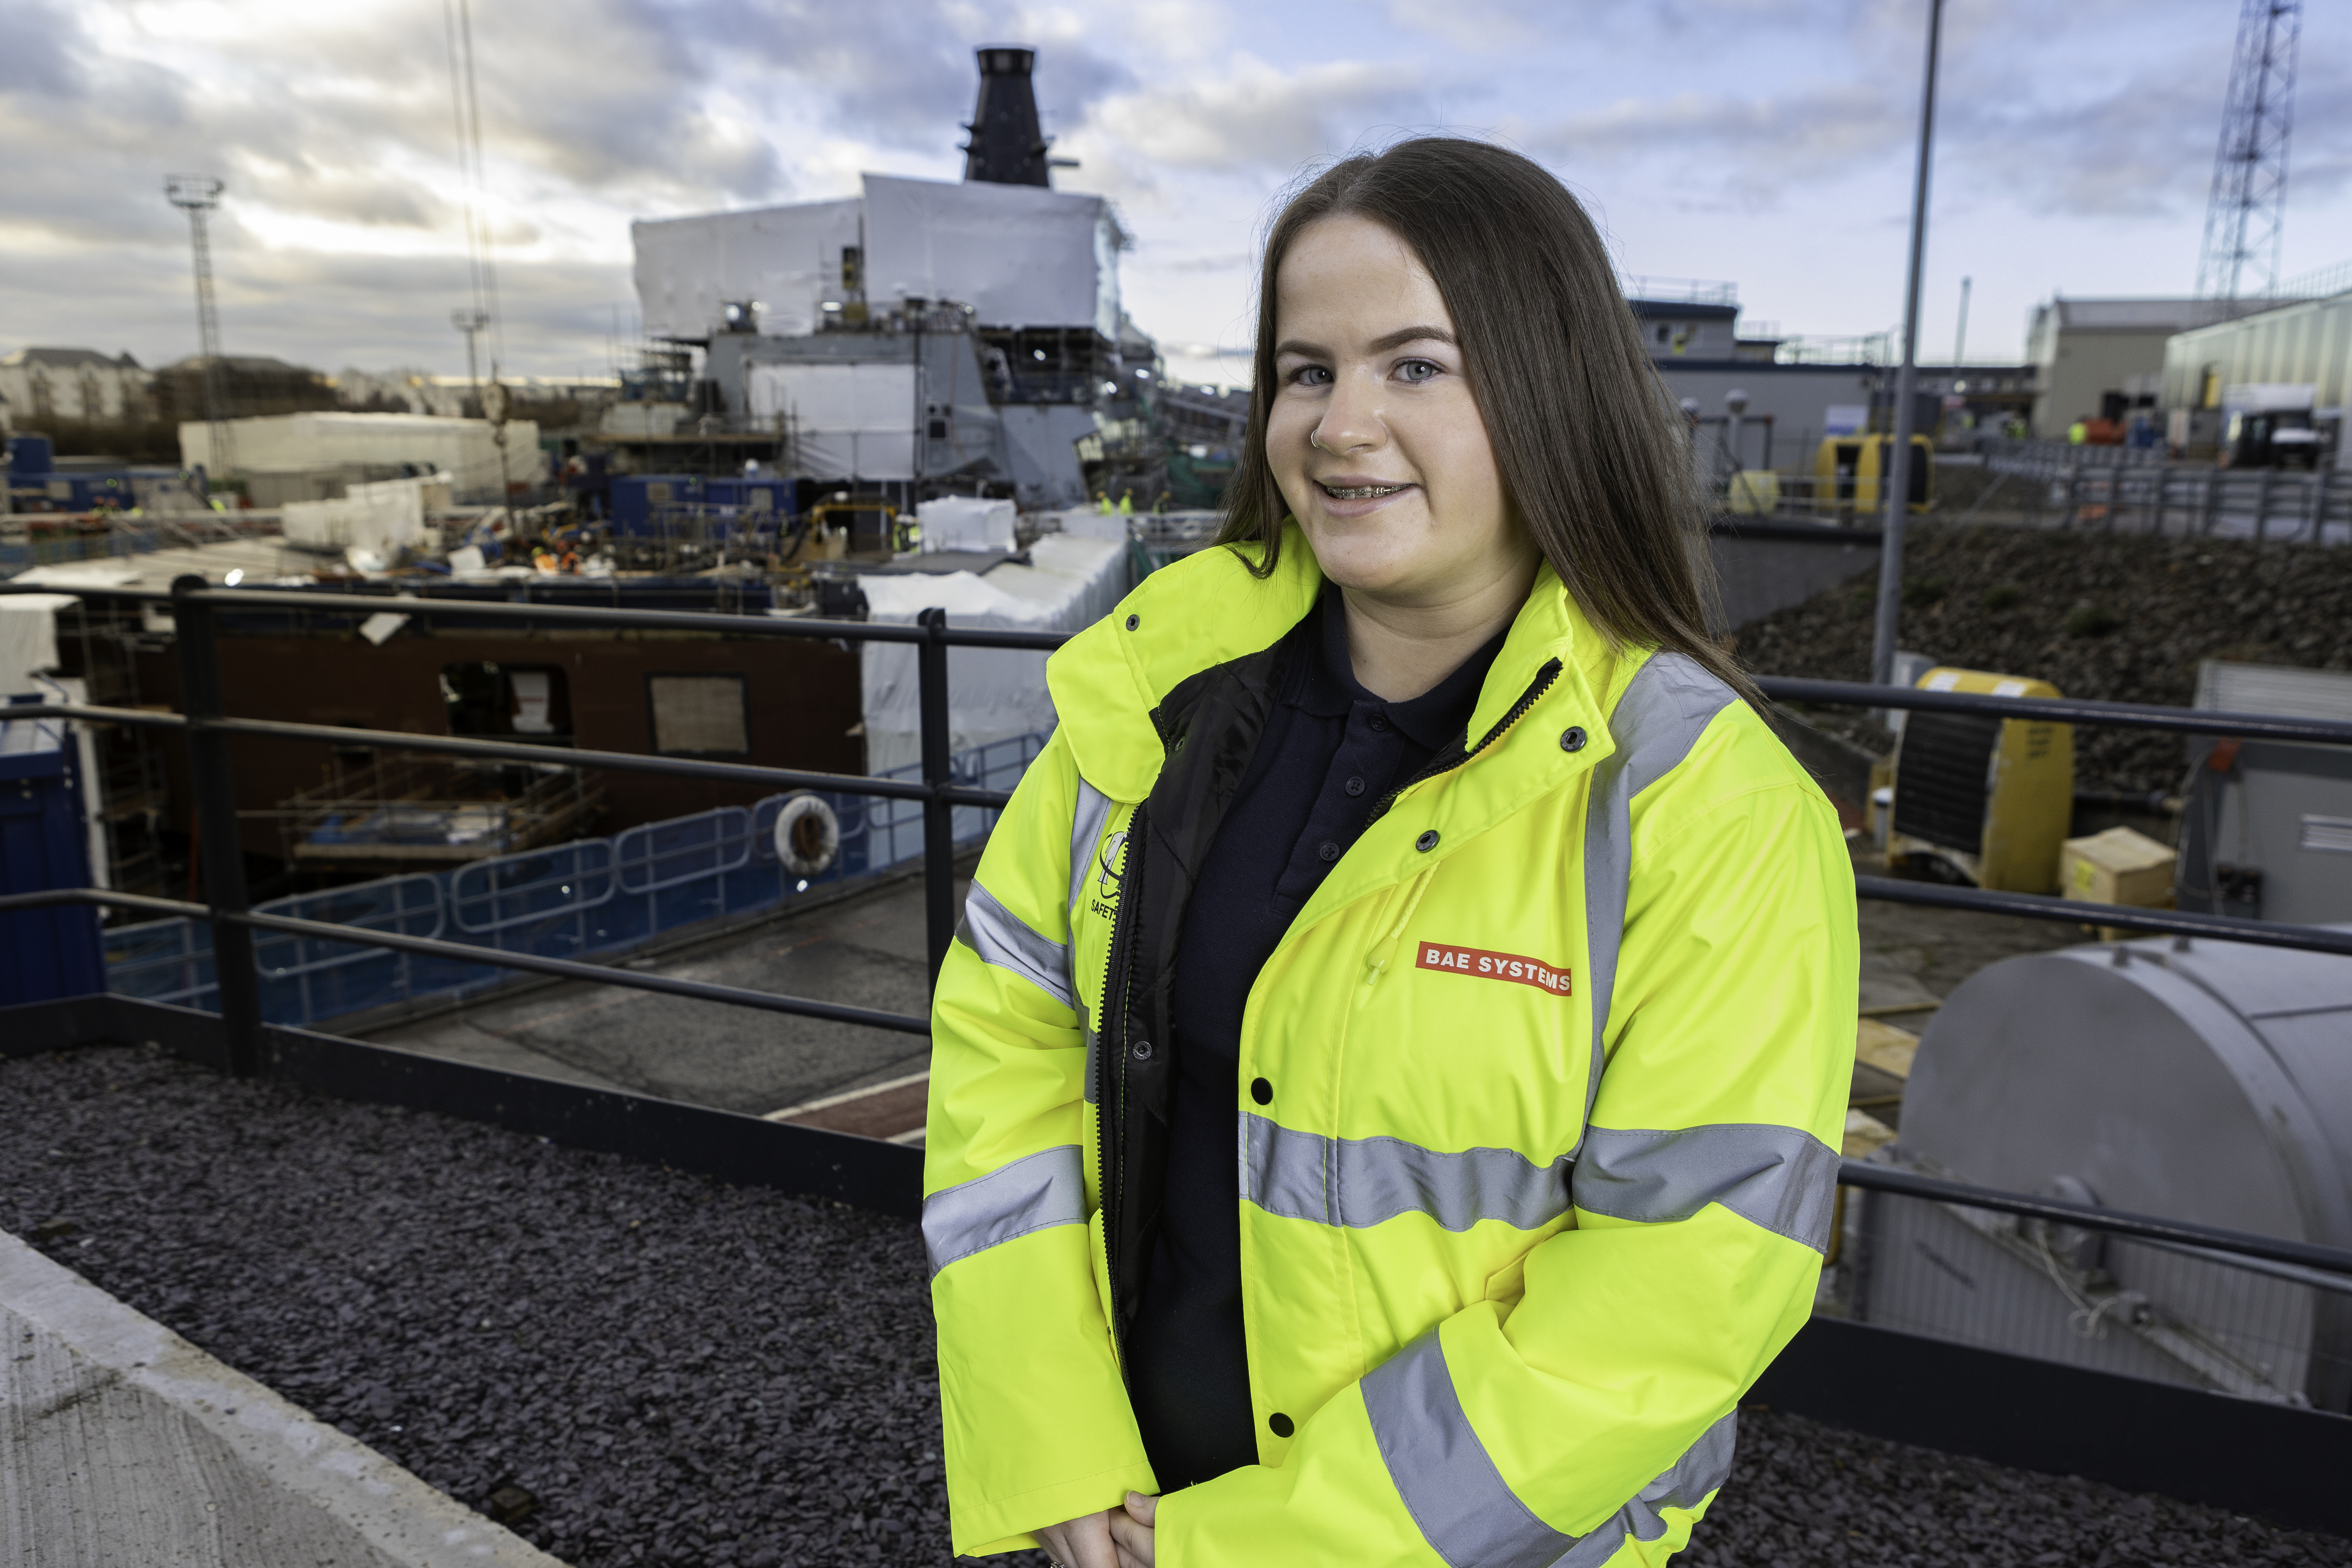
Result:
pixel 2196 1080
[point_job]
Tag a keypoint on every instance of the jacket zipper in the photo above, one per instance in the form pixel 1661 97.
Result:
pixel 1444 764
pixel 1111 1088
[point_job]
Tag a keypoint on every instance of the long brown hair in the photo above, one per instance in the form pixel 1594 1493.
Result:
pixel 1585 436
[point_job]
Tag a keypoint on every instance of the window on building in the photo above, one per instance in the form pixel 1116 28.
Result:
pixel 528 701
pixel 699 715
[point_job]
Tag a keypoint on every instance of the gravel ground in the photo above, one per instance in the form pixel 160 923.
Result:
pixel 2123 618
pixel 676 1372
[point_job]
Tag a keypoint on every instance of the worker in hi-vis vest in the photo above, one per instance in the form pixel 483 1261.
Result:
pixel 1385 1088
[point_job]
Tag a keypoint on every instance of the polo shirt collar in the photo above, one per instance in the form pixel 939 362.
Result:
pixel 1434 721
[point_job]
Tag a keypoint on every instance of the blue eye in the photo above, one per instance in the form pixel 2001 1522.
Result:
pixel 1310 376
pixel 1418 370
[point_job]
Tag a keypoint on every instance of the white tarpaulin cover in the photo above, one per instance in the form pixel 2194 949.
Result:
pixel 28 638
pixel 1020 255
pixel 463 453
pixel 1087 523
pixel 854 420
pixel 786 259
pixel 966 522
pixel 375 519
pixel 993 694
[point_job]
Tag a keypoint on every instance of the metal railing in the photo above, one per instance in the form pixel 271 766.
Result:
pixel 209 731
pixel 1678 291
pixel 597 899
pixel 2049 484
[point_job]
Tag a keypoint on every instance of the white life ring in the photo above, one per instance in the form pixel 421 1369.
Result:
pixel 807 835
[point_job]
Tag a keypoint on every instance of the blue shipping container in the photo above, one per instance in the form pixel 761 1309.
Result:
pixel 30 457
pixel 50 953
pixel 757 504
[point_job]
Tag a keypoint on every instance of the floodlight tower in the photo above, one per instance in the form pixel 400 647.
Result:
pixel 197 194
pixel 2244 213
pixel 469 321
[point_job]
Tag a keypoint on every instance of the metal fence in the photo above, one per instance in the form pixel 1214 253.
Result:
pixel 2060 1290
pixel 2182 1314
pixel 586 897
pixel 2137 489
pixel 2130 490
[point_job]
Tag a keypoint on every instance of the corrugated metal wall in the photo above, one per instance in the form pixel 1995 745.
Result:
pixel 2296 344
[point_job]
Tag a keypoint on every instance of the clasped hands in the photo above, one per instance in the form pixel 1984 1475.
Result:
pixel 1115 1537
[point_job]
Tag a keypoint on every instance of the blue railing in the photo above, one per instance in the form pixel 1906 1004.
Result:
pixel 589 897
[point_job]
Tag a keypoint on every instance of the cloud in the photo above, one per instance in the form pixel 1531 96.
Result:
pixel 1251 114
pixel 1225 263
pixel 1747 149
pixel 1481 27
pixel 1774 132
pixel 36 54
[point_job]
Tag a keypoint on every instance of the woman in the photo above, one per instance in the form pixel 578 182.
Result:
pixel 1382 1096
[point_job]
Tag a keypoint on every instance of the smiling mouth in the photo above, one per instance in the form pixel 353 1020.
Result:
pixel 1360 492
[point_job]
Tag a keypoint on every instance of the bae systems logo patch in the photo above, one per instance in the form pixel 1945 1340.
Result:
pixel 1482 964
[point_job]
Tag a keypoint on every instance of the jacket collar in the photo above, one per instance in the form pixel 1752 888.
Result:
pixel 1208 609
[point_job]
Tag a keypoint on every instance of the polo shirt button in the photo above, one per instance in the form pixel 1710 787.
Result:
pixel 1261 1091
pixel 1426 842
pixel 1572 738
pixel 1281 1425
pixel 1329 852
pixel 1380 724
pixel 1355 785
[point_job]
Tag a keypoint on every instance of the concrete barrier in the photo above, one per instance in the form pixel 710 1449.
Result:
pixel 1763 567
pixel 122 1443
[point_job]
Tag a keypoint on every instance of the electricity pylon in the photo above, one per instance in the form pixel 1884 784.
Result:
pixel 2244 214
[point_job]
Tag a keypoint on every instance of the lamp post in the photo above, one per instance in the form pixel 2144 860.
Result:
pixel 1898 468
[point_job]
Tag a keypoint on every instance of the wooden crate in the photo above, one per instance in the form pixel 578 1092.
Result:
pixel 2117 866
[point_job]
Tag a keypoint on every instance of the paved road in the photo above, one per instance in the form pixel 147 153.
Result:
pixel 867 952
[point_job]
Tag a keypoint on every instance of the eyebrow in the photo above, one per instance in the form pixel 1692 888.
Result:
pixel 1381 344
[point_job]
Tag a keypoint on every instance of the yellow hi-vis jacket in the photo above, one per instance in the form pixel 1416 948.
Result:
pixel 1537 1095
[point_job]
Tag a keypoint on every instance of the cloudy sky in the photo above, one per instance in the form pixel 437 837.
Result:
pixel 1765 142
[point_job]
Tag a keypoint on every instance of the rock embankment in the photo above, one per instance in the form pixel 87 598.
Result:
pixel 633 1366
pixel 2119 616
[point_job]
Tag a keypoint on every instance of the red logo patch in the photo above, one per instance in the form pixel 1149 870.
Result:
pixel 1485 965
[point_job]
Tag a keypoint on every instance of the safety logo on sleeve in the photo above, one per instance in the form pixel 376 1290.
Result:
pixel 1482 964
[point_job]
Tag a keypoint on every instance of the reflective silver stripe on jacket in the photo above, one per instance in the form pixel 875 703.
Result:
pixel 1093 810
pixel 1361 1182
pixel 1087 823
pixel 1783 1178
pixel 1669 703
pixel 1705 1466
pixel 1466 1511
pixel 1005 940
pixel 1047 1188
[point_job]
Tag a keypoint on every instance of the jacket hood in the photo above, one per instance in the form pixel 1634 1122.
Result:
pixel 1208 609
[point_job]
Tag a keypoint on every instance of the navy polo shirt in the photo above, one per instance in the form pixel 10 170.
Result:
pixel 1330 751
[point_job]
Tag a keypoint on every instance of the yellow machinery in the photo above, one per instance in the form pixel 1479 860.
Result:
pixel 1847 470
pixel 898 533
pixel 1992 798
pixel 1754 492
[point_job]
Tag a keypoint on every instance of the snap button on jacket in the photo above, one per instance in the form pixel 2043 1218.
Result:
pixel 1563 1041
